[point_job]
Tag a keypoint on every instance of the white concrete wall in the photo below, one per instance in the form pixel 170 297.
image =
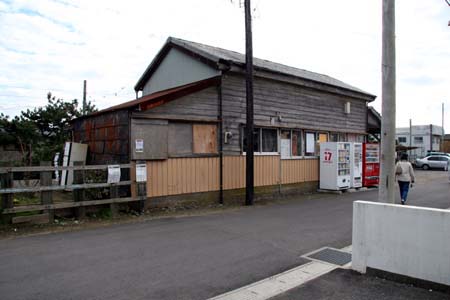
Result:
pixel 406 240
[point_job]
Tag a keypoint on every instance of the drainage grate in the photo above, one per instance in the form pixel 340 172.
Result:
pixel 332 256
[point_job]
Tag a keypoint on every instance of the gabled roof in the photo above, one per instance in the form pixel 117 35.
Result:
pixel 216 57
pixel 373 120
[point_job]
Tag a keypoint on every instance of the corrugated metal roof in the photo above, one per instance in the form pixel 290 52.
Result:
pixel 217 55
pixel 157 95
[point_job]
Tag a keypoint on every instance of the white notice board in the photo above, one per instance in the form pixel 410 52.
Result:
pixel 310 142
pixel 113 173
pixel 141 172
pixel 285 148
pixel 139 145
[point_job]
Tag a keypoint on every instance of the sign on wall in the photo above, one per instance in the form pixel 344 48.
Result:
pixel 139 145
pixel 141 172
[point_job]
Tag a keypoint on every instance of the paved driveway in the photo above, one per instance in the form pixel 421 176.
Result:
pixel 190 257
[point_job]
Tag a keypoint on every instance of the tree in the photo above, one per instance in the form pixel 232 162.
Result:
pixel 21 132
pixel 41 132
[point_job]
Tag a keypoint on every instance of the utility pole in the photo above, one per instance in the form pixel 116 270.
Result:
pixel 249 162
pixel 84 98
pixel 442 137
pixel 431 137
pixel 387 176
pixel 410 138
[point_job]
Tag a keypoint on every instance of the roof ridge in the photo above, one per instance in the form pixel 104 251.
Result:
pixel 263 59
pixel 216 54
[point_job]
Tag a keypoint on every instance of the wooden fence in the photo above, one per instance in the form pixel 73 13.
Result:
pixel 173 176
pixel 46 189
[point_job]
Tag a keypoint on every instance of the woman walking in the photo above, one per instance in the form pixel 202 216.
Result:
pixel 405 176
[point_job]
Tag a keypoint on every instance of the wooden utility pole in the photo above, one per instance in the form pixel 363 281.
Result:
pixel 84 98
pixel 387 178
pixel 249 162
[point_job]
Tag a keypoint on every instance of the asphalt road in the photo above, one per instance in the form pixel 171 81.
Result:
pixel 189 257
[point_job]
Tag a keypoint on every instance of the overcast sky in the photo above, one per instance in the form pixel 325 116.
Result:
pixel 53 45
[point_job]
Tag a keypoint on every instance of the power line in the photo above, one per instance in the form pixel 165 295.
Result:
pixel 103 94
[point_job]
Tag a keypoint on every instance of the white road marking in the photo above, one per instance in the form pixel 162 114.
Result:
pixel 280 283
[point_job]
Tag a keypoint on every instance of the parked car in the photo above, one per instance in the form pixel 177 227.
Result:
pixel 433 162
pixel 429 153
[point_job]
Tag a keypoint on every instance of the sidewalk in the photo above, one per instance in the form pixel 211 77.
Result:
pixel 345 284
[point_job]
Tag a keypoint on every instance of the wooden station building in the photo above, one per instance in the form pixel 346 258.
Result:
pixel 189 119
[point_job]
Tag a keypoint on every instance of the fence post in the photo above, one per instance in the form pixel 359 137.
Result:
pixel 114 193
pixel 142 195
pixel 6 180
pixel 79 194
pixel 47 197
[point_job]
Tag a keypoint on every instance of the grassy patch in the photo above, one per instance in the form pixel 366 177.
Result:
pixel 26 199
pixel 104 214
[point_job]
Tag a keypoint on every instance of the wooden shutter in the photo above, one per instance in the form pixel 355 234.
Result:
pixel 204 138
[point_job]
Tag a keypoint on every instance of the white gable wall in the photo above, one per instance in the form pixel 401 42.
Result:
pixel 177 69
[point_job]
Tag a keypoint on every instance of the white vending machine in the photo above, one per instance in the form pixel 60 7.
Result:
pixel 334 165
pixel 356 163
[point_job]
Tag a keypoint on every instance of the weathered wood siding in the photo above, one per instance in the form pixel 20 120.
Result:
pixel 192 175
pixel 299 107
pixel 203 103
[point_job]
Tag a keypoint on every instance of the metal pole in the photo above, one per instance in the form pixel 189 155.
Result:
pixel 249 171
pixel 410 138
pixel 221 133
pixel 431 137
pixel 387 178
pixel 442 137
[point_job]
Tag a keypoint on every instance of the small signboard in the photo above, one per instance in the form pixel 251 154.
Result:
pixel 113 173
pixel 141 172
pixel 139 145
pixel 285 148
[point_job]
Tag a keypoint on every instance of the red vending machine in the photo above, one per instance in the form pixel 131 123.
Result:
pixel 371 164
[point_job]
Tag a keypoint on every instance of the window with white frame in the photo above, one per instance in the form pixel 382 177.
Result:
pixel 338 137
pixel 290 143
pixel 418 140
pixel 310 143
pixel 334 137
pixel 265 140
pixel 361 138
pixel 402 139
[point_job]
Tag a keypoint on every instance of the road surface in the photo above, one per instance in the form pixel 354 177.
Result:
pixel 189 257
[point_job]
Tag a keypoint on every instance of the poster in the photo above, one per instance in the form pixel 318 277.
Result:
pixel 141 172
pixel 139 145
pixel 310 143
pixel 285 148
pixel 113 173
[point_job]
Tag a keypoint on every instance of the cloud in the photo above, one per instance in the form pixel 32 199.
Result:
pixel 55 45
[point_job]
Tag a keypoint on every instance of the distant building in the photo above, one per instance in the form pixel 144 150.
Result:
pixel 446 145
pixel 424 137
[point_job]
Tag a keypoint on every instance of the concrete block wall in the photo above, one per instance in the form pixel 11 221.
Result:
pixel 406 240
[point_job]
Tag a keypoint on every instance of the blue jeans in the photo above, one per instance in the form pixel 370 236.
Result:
pixel 404 188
